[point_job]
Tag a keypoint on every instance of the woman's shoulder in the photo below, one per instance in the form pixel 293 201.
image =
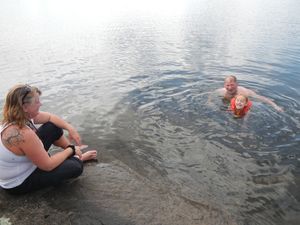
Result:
pixel 13 138
pixel 15 133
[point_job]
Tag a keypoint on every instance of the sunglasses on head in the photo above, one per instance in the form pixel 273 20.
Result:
pixel 25 91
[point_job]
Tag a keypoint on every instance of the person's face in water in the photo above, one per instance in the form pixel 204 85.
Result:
pixel 240 102
pixel 230 86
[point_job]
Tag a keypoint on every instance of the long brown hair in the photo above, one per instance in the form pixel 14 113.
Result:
pixel 16 97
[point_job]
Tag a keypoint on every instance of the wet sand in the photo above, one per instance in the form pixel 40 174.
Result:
pixel 110 194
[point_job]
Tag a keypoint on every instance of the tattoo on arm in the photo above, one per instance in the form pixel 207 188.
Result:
pixel 13 137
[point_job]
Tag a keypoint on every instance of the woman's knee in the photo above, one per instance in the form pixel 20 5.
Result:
pixel 51 127
pixel 49 133
pixel 76 166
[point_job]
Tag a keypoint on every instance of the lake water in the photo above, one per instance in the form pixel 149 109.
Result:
pixel 134 78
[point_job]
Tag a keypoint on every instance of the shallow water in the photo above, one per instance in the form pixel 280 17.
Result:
pixel 135 79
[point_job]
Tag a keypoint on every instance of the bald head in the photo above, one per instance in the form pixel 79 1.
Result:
pixel 230 78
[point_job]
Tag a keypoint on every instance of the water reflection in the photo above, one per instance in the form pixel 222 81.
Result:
pixel 202 154
pixel 134 76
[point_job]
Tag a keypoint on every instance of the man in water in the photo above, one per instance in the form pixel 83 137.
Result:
pixel 231 89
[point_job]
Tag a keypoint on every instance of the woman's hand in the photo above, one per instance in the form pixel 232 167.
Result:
pixel 44 117
pixel 78 151
pixel 74 136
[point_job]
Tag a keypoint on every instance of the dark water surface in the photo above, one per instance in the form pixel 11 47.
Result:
pixel 134 77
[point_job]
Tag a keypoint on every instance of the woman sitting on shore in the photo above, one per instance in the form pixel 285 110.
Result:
pixel 25 164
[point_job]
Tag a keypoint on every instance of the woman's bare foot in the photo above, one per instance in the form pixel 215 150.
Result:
pixel 89 155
